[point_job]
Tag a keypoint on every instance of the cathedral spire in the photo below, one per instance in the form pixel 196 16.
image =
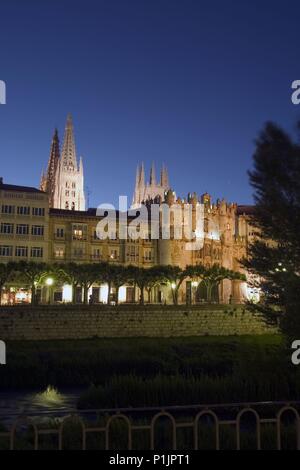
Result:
pixel 68 155
pixel 54 155
pixel 48 178
pixel 137 178
pixel 152 175
pixel 164 179
pixel 142 175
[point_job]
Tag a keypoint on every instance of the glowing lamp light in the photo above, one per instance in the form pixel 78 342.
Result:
pixel 194 283
pixel 49 281
pixel 67 293
pixel 103 293
pixel 122 294
pixel 173 285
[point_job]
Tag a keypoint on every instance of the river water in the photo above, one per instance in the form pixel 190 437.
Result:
pixel 33 403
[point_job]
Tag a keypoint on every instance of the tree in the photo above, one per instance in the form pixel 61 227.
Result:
pixel 173 276
pixel 154 277
pixel 88 274
pixel 33 272
pixel 275 256
pixel 215 274
pixel 71 273
pixel 116 275
pixel 5 274
pixel 144 278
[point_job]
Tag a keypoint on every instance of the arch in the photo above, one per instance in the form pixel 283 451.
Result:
pixel 202 294
pixel 152 425
pixel 238 427
pixel 278 424
pixel 29 422
pixel 61 428
pixel 217 427
pixel 107 429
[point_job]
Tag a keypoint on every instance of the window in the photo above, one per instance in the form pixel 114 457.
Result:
pixel 21 251
pixel 36 252
pixel 79 232
pixel 23 210
pixel 148 255
pixel 38 211
pixel 73 206
pixel 73 194
pixel 37 230
pixel 73 185
pixel 22 229
pixel 67 193
pixel 96 253
pixel 7 228
pixel 6 250
pixel 67 205
pixel 114 254
pixel 59 232
pixel 133 253
pixel 78 252
pixel 6 209
pixel 59 252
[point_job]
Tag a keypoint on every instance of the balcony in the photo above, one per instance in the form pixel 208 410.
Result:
pixel 79 238
pixel 96 257
pixel 94 239
pixel 59 237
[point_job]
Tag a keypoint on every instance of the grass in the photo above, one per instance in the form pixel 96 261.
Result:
pixel 85 362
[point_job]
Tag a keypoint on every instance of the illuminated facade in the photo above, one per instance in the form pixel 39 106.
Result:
pixel 30 230
pixel 52 225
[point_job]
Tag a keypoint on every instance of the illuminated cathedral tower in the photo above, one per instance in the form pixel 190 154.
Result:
pixel 64 178
pixel 153 190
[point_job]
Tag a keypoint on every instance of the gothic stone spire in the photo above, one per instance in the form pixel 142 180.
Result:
pixel 152 175
pixel 49 179
pixel 164 179
pixel 68 155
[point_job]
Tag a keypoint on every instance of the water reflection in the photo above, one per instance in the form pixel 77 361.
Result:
pixel 36 402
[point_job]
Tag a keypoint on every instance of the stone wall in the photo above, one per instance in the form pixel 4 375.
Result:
pixel 66 322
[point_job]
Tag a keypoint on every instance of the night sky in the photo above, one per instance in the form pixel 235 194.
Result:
pixel 187 83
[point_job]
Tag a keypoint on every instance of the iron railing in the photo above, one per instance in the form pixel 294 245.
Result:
pixel 161 427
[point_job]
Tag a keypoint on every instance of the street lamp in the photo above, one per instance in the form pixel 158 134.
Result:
pixel 194 290
pixel 49 283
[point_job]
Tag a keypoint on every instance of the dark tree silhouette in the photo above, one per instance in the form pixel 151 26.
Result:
pixel 275 255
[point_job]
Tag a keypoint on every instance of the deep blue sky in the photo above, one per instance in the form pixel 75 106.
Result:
pixel 188 83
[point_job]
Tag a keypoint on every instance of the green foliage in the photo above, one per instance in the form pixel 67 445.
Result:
pixel 84 275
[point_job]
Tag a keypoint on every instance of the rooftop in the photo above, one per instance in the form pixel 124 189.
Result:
pixel 23 189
